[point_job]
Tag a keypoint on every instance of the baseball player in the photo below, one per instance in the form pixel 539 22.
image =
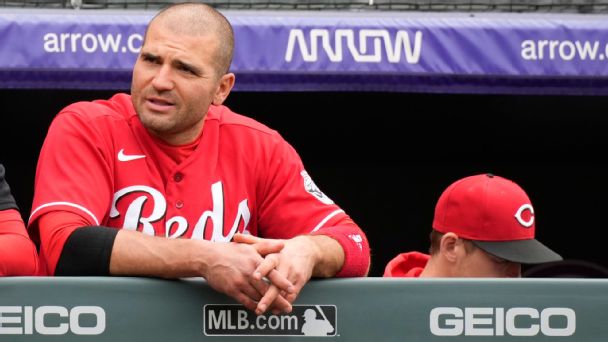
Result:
pixel 159 183
pixel 483 227
pixel 18 256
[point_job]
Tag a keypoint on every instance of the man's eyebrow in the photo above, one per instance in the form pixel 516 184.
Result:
pixel 150 56
pixel 184 65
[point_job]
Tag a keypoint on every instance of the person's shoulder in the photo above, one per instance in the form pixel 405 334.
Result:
pixel 118 107
pixel 231 120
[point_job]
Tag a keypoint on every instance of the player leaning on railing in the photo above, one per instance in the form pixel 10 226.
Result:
pixel 214 193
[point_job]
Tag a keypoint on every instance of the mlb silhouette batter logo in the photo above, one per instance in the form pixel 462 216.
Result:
pixel 317 324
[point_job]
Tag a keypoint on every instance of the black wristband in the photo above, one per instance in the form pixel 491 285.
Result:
pixel 87 252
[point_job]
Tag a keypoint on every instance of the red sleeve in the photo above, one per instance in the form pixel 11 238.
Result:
pixel 75 169
pixel 56 227
pixel 293 205
pixel 73 175
pixel 18 255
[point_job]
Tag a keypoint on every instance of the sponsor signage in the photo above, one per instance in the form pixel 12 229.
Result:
pixel 304 320
pixel 488 321
pixel 345 52
pixel 52 320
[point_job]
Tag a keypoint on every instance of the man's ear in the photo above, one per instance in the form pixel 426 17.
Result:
pixel 449 246
pixel 224 88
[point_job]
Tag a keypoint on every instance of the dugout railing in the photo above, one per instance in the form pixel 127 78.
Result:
pixel 354 310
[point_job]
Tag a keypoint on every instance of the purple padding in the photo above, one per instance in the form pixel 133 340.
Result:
pixel 326 51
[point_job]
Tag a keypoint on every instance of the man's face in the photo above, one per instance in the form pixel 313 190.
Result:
pixel 174 82
pixel 479 263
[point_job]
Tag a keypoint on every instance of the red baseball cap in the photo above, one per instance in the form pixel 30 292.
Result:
pixel 496 215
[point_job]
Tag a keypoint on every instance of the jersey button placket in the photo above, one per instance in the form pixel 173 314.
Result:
pixel 178 177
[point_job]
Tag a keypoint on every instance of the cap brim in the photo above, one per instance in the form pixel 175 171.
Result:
pixel 520 251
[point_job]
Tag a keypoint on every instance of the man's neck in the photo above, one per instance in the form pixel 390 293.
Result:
pixel 180 138
pixel 433 269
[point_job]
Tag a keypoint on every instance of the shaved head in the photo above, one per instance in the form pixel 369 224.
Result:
pixel 196 19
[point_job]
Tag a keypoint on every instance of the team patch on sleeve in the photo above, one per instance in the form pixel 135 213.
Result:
pixel 312 189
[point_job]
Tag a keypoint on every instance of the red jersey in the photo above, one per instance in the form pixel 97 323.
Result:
pixel 18 256
pixel 100 162
pixel 408 265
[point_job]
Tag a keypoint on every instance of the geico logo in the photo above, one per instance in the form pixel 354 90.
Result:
pixel 451 321
pixel 25 320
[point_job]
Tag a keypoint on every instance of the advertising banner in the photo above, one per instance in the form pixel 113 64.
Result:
pixel 325 51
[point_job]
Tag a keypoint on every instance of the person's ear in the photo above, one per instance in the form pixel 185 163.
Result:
pixel 449 246
pixel 225 86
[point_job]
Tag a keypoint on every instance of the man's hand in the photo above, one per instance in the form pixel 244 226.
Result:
pixel 301 258
pixel 227 267
pixel 229 272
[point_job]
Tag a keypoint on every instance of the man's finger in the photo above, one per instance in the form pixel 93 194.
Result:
pixel 280 281
pixel 252 292
pixel 261 245
pixel 269 263
pixel 291 297
pixel 280 304
pixel 245 238
pixel 246 301
pixel 268 247
pixel 272 298
pixel 268 269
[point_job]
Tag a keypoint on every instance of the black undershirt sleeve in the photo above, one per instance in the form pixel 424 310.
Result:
pixel 6 199
pixel 87 252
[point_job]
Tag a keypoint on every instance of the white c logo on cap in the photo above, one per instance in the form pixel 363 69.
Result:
pixel 521 221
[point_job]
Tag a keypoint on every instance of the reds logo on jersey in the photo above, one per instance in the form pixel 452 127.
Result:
pixel 136 216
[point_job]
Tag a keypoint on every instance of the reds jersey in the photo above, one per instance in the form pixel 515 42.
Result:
pixel 17 253
pixel 100 162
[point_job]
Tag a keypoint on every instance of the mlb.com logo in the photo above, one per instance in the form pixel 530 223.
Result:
pixel 303 320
